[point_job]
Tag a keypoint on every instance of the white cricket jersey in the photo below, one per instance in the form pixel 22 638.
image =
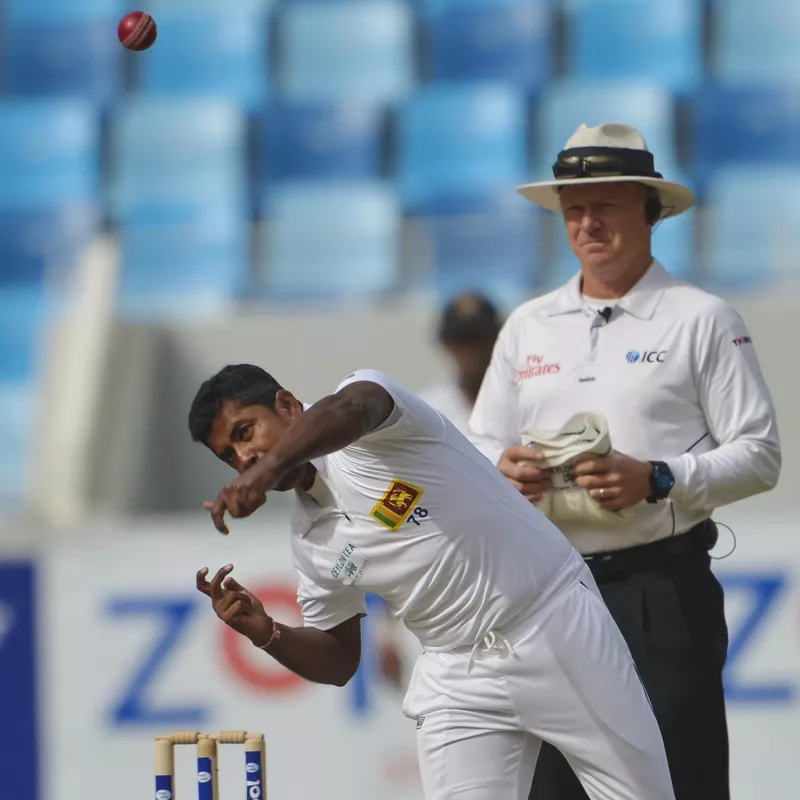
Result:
pixel 675 373
pixel 415 514
pixel 449 399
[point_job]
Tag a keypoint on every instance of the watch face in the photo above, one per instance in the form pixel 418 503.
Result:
pixel 664 481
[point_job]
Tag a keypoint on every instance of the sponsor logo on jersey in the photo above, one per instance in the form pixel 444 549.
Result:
pixel 396 505
pixel 350 566
pixel 742 340
pixel 535 367
pixel 651 357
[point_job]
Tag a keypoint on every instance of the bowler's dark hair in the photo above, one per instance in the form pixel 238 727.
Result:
pixel 244 384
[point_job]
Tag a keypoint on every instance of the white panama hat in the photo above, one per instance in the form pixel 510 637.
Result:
pixel 616 154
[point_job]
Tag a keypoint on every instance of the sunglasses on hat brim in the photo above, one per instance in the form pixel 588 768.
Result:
pixel 604 162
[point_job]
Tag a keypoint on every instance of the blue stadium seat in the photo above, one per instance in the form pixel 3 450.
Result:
pixel 756 42
pixel 506 40
pixel 49 152
pixel 63 11
pixel 753 230
pixel 645 106
pixel 77 57
pixel 674 245
pixel 174 151
pixel 354 50
pixel 159 7
pixel 320 140
pixel 354 248
pixel 207 53
pixel 745 124
pixel 40 244
pixel 487 244
pixel 461 139
pixel 182 260
pixel 24 313
pixel 646 39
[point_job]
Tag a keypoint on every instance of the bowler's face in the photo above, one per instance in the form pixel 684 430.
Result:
pixel 605 222
pixel 242 435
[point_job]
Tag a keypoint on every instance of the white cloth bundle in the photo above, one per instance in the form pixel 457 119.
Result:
pixel 582 436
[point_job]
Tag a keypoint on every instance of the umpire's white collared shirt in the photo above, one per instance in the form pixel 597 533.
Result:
pixel 675 373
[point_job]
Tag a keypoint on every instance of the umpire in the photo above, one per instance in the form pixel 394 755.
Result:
pixel 692 426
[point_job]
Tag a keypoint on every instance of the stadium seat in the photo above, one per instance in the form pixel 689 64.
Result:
pixel 174 151
pixel 159 7
pixel 24 313
pixel 674 245
pixel 182 260
pixel 506 40
pixel 645 39
pixel 63 11
pixel 48 152
pixel 207 53
pixel 76 57
pixel 461 139
pixel 756 42
pixel 357 50
pixel 753 234
pixel 41 244
pixel 320 140
pixel 354 249
pixel 565 105
pixel 487 244
pixel 745 124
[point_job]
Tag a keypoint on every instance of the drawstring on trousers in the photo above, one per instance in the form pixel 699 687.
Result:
pixel 494 641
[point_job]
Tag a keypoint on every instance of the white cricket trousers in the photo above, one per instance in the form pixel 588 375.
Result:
pixel 565 676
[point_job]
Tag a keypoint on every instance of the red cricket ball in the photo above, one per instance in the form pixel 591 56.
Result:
pixel 137 31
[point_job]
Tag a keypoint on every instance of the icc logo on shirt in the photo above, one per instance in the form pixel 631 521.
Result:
pixel 635 357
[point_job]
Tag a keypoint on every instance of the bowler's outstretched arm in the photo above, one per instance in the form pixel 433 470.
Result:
pixel 331 424
pixel 329 657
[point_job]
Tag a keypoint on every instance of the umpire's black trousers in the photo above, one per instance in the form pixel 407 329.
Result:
pixel 669 607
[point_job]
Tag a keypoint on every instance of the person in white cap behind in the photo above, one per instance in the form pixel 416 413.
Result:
pixel 668 375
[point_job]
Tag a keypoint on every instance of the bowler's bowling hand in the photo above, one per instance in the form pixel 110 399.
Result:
pixel 243 495
pixel 615 481
pixel 236 606
pixel 519 464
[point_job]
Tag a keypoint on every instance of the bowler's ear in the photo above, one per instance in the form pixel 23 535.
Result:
pixel 287 405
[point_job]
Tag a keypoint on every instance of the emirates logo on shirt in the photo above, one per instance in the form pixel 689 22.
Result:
pixel 535 367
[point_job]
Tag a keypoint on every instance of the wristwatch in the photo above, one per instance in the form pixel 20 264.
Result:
pixel 661 482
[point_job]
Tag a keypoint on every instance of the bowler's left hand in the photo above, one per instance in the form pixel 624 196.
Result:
pixel 615 481
pixel 243 495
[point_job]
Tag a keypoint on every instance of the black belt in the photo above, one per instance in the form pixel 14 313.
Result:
pixel 699 539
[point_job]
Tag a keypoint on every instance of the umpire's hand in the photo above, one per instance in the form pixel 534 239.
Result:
pixel 615 481
pixel 518 464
